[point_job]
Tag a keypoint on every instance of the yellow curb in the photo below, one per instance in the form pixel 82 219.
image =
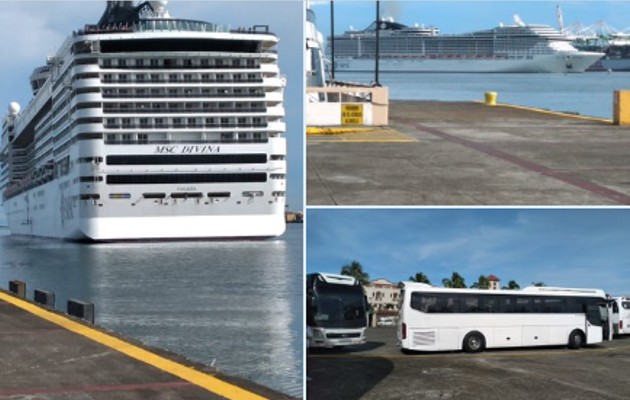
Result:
pixel 191 375
pixel 548 112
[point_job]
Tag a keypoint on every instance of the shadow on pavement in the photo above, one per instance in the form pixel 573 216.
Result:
pixel 345 378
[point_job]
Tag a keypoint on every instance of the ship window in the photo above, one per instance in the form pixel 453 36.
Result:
pixel 91 196
pixel 169 62
pixel 253 193
pixel 154 62
pixel 154 195
pixel 204 62
pixel 187 77
pixel 219 194
pixel 159 122
pixel 122 62
pixel 188 63
pixel 172 77
pixel 127 138
pixel 107 63
pixel 91 179
pixel 119 196
pixel 186 195
pixel 276 157
pixel 155 78
pixel 122 77
pixel 144 123
pixel 227 136
pixel 111 137
pixel 185 178
pixel 143 138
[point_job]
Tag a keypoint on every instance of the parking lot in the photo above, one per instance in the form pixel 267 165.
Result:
pixel 378 370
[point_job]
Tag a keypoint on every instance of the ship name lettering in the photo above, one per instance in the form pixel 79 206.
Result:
pixel 166 149
pixel 200 149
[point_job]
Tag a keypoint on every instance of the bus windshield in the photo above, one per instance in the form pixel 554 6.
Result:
pixel 340 307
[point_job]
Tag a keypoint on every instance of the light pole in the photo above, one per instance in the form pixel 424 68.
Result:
pixel 332 39
pixel 377 51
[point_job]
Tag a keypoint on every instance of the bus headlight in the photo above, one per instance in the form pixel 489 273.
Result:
pixel 318 334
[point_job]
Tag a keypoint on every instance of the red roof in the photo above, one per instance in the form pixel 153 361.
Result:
pixel 493 278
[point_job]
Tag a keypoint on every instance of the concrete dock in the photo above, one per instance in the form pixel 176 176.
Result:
pixel 379 371
pixel 466 153
pixel 47 355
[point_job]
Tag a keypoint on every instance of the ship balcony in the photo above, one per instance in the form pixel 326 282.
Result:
pixel 87 98
pixel 275 96
pixel 270 68
pixel 88 113
pixel 85 68
pixel 276 111
pixel 86 83
pixel 273 82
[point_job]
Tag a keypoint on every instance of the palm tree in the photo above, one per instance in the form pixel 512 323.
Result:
pixel 482 283
pixel 355 269
pixel 420 277
pixel 456 281
pixel 512 285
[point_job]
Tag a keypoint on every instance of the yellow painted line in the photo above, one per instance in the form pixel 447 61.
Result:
pixel 189 374
pixel 362 141
pixel 315 130
pixel 555 113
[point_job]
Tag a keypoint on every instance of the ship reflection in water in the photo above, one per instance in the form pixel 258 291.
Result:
pixel 237 304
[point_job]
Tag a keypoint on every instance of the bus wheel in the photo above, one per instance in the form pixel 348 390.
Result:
pixel 474 342
pixel 576 339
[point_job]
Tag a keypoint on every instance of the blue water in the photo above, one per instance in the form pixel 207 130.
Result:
pixel 589 93
pixel 237 305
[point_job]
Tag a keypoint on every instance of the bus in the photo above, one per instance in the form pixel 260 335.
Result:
pixel 442 319
pixel 621 315
pixel 336 308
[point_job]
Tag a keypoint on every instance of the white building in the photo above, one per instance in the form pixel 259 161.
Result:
pixel 382 294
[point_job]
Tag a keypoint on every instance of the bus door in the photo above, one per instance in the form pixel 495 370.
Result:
pixel 594 324
pixel 615 317
pixel 606 313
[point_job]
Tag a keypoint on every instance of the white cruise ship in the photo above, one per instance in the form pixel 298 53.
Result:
pixel 147 127
pixel 514 48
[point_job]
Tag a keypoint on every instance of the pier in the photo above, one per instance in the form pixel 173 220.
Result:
pixel 49 355
pixel 469 153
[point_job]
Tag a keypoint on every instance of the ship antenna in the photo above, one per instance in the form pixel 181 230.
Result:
pixel 560 19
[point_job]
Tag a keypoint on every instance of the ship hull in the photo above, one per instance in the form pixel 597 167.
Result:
pixel 552 63
pixel 48 212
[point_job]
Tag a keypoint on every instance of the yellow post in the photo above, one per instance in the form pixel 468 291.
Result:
pixel 491 98
pixel 621 107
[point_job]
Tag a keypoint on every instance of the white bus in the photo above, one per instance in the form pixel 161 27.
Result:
pixel 335 311
pixel 621 315
pixel 438 319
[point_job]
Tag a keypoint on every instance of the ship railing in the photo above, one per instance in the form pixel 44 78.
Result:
pixel 187 141
pixel 198 125
pixel 179 95
pixel 195 110
pixel 163 80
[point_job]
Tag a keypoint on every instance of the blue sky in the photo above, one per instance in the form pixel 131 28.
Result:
pixel 560 247
pixel 31 30
pixel 463 16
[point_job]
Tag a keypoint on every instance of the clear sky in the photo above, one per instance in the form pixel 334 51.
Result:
pixel 31 30
pixel 464 16
pixel 560 247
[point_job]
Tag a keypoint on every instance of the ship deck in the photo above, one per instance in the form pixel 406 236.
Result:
pixel 466 153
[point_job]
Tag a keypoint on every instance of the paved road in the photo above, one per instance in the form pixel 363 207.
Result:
pixel 456 153
pixel 378 370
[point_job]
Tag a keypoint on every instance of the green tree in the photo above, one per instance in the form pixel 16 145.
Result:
pixel 355 269
pixel 512 285
pixel 456 281
pixel 482 283
pixel 420 277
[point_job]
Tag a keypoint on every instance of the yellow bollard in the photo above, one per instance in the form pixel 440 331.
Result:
pixel 621 107
pixel 491 98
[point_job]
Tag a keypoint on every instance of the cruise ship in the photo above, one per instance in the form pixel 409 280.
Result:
pixel 148 127
pixel 510 48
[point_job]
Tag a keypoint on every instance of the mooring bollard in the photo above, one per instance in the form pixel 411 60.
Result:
pixel 81 309
pixel 44 297
pixel 18 288
pixel 491 98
